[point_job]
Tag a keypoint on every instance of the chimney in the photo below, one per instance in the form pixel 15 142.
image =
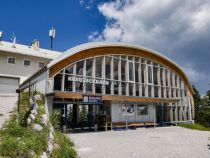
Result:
pixel 35 44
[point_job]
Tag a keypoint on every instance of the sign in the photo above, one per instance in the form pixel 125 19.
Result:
pixel 88 80
pixel 92 99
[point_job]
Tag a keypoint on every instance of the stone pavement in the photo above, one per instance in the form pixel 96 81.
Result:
pixel 161 142
pixel 7 103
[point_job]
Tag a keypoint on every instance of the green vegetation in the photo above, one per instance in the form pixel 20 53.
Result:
pixel 195 127
pixel 202 108
pixel 22 141
pixel 19 141
pixel 65 147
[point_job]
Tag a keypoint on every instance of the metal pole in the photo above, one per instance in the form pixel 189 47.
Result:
pixel 18 106
pixel 51 42
pixel 29 96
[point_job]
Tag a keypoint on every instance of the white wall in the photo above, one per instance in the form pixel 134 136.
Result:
pixel 18 69
pixel 118 116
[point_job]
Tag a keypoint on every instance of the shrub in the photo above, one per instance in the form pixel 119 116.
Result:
pixel 65 149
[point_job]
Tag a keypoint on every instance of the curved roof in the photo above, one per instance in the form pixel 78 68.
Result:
pixel 77 49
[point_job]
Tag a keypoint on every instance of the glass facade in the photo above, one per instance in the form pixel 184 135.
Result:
pixel 120 75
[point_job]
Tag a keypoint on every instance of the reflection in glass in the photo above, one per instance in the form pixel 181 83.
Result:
pixel 123 88
pixel 149 73
pixel 143 66
pixel 149 91
pixel 116 87
pixel 130 68
pixel 79 67
pixel 136 72
pixel 156 91
pixel 78 86
pixel 155 75
pixel 98 88
pixel 99 61
pixel 68 84
pixel 123 64
pixel 108 67
pixel 89 87
pixel 69 69
pixel 89 67
pixel 166 76
pixel 116 62
pixel 108 87
pixel 130 89
pixel 143 90
pixel 57 82
pixel 137 89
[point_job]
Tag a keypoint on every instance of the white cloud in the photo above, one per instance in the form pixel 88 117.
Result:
pixel 88 4
pixel 177 28
pixel 194 75
pixel 155 22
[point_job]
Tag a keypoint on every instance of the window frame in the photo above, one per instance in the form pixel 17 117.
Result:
pixel 13 58
pixel 26 60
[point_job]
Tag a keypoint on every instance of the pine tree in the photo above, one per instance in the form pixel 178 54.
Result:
pixel 197 101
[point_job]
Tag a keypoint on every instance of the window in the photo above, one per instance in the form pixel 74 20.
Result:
pixel 79 86
pixel 98 88
pixel 27 62
pixel 130 109
pixel 150 75
pixel 142 73
pixel 69 69
pixel 89 67
pixel 156 91
pixel 116 86
pixel 68 83
pixel 155 75
pixel 57 82
pixel 79 67
pixel 123 88
pixel 108 67
pixel 41 64
pixel 130 89
pixel 89 87
pixel 11 60
pixel 130 70
pixel 116 62
pixel 108 87
pixel 99 62
pixel 137 89
pixel 123 64
pixel 136 72
pixel 142 110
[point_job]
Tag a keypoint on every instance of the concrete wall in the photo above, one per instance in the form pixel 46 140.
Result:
pixel 18 69
pixel 118 116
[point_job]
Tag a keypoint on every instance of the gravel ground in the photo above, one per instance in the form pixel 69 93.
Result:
pixel 162 142
pixel 7 103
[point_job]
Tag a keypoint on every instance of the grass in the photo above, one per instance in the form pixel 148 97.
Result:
pixel 23 142
pixel 65 147
pixel 19 141
pixel 195 127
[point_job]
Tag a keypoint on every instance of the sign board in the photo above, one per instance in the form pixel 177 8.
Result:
pixel 92 99
pixel 88 80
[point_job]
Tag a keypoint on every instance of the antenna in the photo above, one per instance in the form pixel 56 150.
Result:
pixel 52 36
pixel 13 39
pixel 1 35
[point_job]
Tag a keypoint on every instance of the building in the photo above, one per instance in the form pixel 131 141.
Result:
pixel 114 85
pixel 18 62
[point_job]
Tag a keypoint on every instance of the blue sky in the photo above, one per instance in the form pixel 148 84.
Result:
pixel 179 29
pixel 32 19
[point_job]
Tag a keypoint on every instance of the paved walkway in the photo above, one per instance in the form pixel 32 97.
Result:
pixel 163 142
pixel 7 103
